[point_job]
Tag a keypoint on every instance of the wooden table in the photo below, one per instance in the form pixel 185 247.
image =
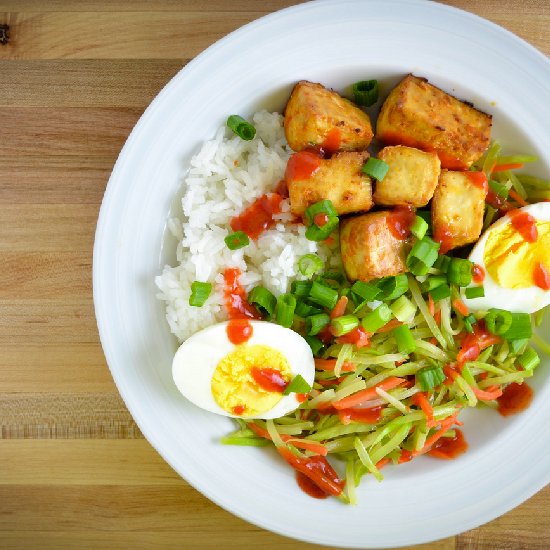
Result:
pixel 75 471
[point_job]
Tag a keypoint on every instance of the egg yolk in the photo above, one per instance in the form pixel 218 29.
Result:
pixel 511 260
pixel 233 385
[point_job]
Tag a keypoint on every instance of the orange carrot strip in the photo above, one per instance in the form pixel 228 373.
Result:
pixel 445 425
pixel 431 305
pixel 329 364
pixel 488 395
pixel 421 400
pixel 504 167
pixel 461 307
pixel 381 463
pixel 368 394
pixel 297 442
pixel 517 197
pixel 339 308
pixel 437 318
pixel 390 325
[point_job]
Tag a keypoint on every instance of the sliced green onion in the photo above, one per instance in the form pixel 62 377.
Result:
pixel 322 207
pixel 499 188
pixel 315 344
pixel 460 272
pixel 309 264
pixel 393 287
pixel 377 319
pixel 426 215
pixel 297 385
pixel 404 338
pixel 498 321
pixel 375 168
pixel 365 291
pixel 323 295
pixel 474 292
pixel 317 234
pixel 315 323
pixel 237 240
pixel 336 276
pixel 430 377
pixel 305 310
pixel 518 346
pixel 530 359
pixel 300 289
pixel 419 227
pixel 440 292
pixel 469 321
pixel 263 299
pixel 442 263
pixel 520 327
pixel 343 325
pixel 286 304
pixel 365 92
pixel 199 293
pixel 422 256
pixel 433 282
pixel 241 127
pixel 403 309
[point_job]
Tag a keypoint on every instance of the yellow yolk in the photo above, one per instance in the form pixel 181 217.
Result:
pixel 510 260
pixel 233 386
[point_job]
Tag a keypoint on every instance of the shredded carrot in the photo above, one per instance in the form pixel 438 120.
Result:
pixel 312 446
pixel 493 392
pixel 332 382
pixel 329 241
pixel 339 308
pixel 358 337
pixel 431 305
pixel 329 364
pixel 368 394
pixel 381 463
pixel 390 325
pixel 444 427
pixel 461 307
pixel 517 197
pixel 437 319
pixel 505 167
pixel 421 400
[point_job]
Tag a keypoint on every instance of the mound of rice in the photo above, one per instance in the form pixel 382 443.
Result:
pixel 225 177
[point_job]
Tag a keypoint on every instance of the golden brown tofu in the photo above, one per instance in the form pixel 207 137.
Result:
pixel 317 117
pixel 457 210
pixel 369 249
pixel 411 178
pixel 338 179
pixel 420 115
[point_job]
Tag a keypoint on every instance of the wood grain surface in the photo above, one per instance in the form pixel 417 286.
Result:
pixel 75 471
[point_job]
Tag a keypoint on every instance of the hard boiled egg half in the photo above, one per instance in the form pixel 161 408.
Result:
pixel 245 380
pixel 515 268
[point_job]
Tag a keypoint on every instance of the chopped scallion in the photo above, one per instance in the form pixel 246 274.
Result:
pixel 263 299
pixel 300 289
pixel 365 92
pixel 432 282
pixel 419 227
pixel 469 321
pixel 365 291
pixel 460 272
pixel 237 240
pixel 404 339
pixel 430 377
pixel 403 309
pixel 323 295
pixel 315 344
pixel 474 292
pixel 309 264
pixel 315 323
pixel 442 263
pixel 305 310
pixel 376 319
pixel 286 304
pixel 241 127
pixel 498 321
pixel 343 325
pixel 393 287
pixel 297 385
pixel 376 168
pixel 422 256
pixel 518 346
pixel 529 360
pixel 520 327
pixel 440 292
pixel 199 293
pixel 499 188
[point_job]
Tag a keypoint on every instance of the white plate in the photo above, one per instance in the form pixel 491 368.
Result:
pixel 336 43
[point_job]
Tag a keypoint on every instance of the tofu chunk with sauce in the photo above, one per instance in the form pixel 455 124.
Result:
pixel 338 179
pixel 411 179
pixel 318 117
pixel 418 114
pixel 369 248
pixel 457 210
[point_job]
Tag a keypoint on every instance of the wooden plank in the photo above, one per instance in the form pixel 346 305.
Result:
pixel 54 179
pixel 91 132
pixel 69 462
pixel 52 416
pixel 54 367
pixel 118 35
pixel 84 83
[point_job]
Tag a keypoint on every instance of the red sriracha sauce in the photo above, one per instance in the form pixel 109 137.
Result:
pixel 364 416
pixel 239 329
pixel 302 165
pixel 301 397
pixel 269 379
pixel 448 448
pixel 400 220
pixel 320 219
pixel 525 225
pixel 514 399
pixel 239 409
pixel 309 487
pixel 444 237
pixel 541 277
pixel 258 216
pixel 479 179
pixel 478 274
pixel 332 141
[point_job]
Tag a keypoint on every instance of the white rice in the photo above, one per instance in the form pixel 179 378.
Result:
pixel 224 178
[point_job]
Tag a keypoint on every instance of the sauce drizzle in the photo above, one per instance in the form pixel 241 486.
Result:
pixel 514 399
pixel 258 217
pixel 302 166
pixel 400 220
pixel 444 237
pixel 448 448
pixel 332 141
pixel 269 379
pixel 524 224
pixel 478 274
pixel 479 179
pixel 541 277
pixel 309 487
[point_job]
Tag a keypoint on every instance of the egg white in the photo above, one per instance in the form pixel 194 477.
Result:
pixel 197 358
pixel 517 300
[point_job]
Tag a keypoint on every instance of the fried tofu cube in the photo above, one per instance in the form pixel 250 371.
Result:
pixel 411 179
pixel 369 249
pixel 338 179
pixel 317 117
pixel 420 115
pixel 457 210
